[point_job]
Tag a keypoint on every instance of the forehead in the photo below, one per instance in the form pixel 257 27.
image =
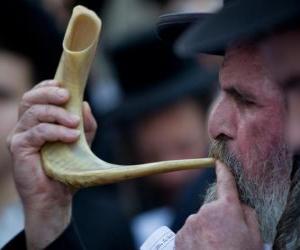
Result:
pixel 244 69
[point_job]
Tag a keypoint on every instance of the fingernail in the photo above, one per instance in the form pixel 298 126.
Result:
pixel 62 93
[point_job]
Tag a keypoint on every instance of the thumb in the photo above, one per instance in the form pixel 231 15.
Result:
pixel 251 220
pixel 226 186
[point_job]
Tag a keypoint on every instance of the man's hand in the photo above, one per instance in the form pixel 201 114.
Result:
pixel 221 224
pixel 47 203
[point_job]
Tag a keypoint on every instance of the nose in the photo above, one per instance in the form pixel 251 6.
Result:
pixel 222 121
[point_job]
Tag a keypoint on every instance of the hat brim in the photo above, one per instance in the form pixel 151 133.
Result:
pixel 240 20
pixel 171 26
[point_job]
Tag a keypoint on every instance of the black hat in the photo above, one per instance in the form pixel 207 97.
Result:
pixel 239 19
pixel 27 30
pixel 152 76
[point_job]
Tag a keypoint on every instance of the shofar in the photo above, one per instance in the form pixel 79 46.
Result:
pixel 75 164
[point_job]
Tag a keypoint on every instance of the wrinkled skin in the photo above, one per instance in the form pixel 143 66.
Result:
pixel 47 203
pixel 222 224
pixel 250 112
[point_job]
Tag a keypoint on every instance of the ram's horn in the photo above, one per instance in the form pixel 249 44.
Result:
pixel 75 164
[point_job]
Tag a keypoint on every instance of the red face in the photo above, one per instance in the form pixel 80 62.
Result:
pixel 249 113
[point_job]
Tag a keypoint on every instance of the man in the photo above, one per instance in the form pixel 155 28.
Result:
pixel 247 125
pixel 238 41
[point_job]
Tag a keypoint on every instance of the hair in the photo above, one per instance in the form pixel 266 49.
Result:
pixel 288 226
pixel 267 192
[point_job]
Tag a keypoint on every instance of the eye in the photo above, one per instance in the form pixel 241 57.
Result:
pixel 240 98
pixel 244 101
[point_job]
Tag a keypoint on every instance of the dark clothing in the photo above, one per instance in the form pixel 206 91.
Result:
pixel 100 221
pixel 98 224
pixel 68 240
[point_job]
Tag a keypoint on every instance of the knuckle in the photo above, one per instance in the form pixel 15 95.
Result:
pixel 206 208
pixel 26 96
pixel 47 110
pixel 24 103
pixel 14 143
pixel 229 199
pixel 192 219
pixel 33 110
pixel 39 129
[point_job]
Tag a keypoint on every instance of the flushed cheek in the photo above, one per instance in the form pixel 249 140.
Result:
pixel 258 136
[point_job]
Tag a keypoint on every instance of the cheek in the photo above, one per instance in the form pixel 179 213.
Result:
pixel 258 134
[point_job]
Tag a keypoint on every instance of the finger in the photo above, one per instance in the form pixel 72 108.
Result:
pixel 46 95
pixel 49 82
pixel 251 218
pixel 90 124
pixel 226 186
pixel 37 136
pixel 46 114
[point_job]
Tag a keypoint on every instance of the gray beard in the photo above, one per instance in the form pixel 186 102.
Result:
pixel 266 192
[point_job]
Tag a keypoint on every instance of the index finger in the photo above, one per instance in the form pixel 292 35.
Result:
pixel 226 186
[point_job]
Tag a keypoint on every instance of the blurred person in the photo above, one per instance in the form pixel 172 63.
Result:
pixel 16 77
pixel 20 65
pixel 33 42
pixel 166 100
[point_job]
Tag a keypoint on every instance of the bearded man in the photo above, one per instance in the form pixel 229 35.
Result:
pixel 245 31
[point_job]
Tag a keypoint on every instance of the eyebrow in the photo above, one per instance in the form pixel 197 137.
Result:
pixel 239 93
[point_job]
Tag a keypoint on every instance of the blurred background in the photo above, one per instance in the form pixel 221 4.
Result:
pixel 150 106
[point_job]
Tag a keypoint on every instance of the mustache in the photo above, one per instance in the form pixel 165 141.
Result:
pixel 219 150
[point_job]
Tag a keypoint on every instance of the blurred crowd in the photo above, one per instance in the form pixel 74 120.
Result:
pixel 151 106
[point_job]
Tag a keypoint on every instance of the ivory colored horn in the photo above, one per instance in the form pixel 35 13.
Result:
pixel 75 164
